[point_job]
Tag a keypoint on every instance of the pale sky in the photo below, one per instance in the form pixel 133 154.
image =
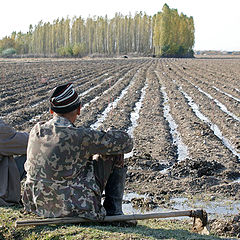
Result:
pixel 216 21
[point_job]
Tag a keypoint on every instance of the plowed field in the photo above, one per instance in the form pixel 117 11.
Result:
pixel 184 115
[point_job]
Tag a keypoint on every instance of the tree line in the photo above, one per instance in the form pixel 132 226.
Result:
pixel 167 33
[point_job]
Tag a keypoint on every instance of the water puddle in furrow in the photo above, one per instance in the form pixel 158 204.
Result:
pixel 227 94
pixel 38 103
pixel 182 149
pixel 97 97
pixel 36 118
pixel 214 208
pixel 105 92
pixel 222 106
pixel 90 89
pixel 237 181
pixel 134 117
pixel 212 126
pixel 110 106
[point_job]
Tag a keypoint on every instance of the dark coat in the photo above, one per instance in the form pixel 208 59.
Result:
pixel 11 143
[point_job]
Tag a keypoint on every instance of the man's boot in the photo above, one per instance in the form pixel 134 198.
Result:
pixel 114 194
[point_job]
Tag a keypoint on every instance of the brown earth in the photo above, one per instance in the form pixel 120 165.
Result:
pixel 210 166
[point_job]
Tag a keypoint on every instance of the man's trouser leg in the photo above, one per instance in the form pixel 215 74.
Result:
pixel 110 175
pixel 114 192
pixel 20 160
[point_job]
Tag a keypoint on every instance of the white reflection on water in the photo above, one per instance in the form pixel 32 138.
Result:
pixel 227 94
pixel 110 106
pixel 214 208
pixel 92 88
pixel 135 116
pixel 181 147
pixel 222 106
pixel 113 104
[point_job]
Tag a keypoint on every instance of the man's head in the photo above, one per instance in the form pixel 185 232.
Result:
pixel 65 101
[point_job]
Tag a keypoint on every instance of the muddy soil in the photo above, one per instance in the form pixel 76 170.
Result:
pixel 187 135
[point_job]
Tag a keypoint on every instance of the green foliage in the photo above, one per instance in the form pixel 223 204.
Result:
pixel 65 51
pixel 8 52
pixel 7 42
pixel 79 50
pixel 173 34
pixel 61 51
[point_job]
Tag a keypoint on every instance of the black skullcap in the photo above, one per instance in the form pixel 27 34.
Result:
pixel 64 99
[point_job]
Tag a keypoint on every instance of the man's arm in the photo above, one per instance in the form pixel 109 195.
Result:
pixel 107 143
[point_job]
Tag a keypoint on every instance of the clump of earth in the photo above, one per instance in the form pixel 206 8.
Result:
pixel 226 227
pixel 145 176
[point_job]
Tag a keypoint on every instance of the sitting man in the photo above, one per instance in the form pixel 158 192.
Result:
pixel 11 169
pixel 69 167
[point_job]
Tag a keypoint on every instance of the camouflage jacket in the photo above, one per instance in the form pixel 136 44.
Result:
pixel 60 176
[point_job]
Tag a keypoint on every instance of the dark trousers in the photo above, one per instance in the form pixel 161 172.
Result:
pixel 20 160
pixel 110 175
pixel 104 165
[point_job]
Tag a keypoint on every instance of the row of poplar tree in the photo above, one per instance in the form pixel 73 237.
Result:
pixel 167 33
